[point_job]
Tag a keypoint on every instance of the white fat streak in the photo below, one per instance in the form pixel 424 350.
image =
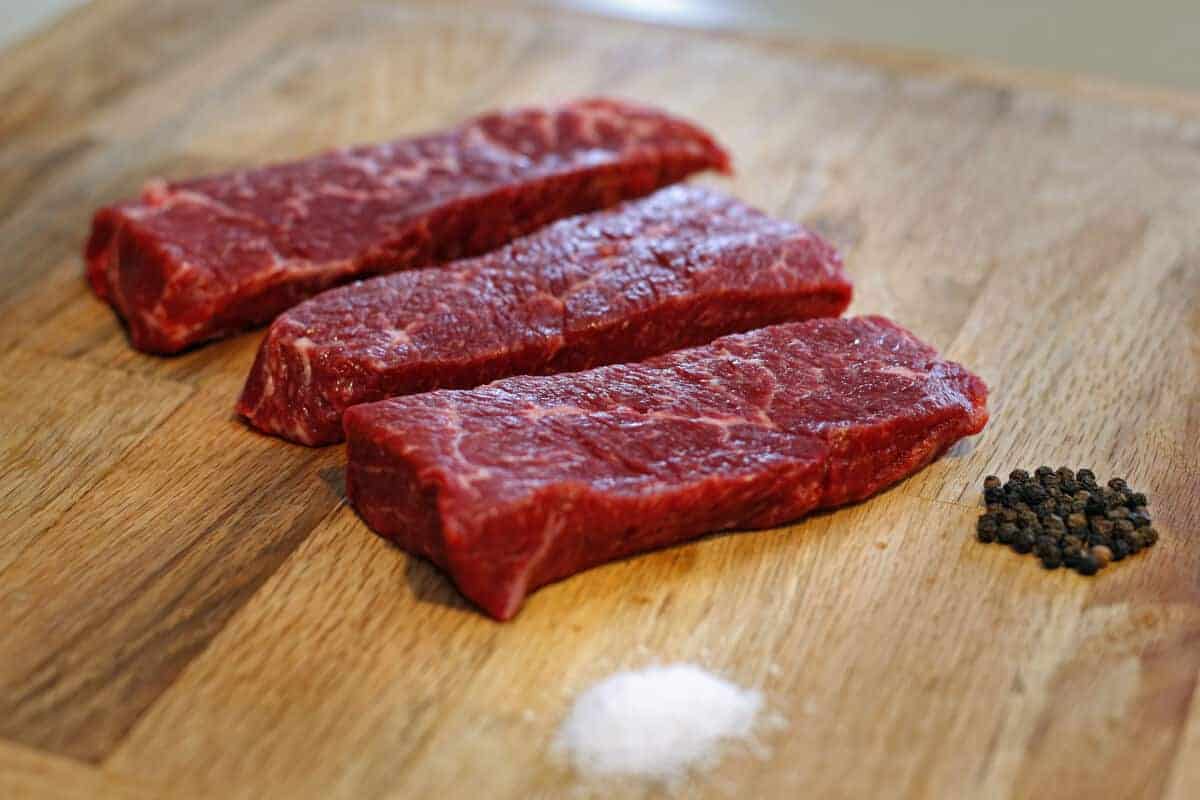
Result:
pixel 368 166
pixel 398 336
pixel 551 532
pixel 408 174
pixel 302 346
pixel 464 475
pixel 535 413
pixel 167 198
pixel 902 371
pixel 268 388
pixel 267 392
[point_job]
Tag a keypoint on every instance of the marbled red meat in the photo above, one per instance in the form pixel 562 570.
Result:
pixel 672 270
pixel 203 258
pixel 527 480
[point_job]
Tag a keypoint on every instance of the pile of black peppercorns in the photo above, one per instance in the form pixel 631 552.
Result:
pixel 1065 518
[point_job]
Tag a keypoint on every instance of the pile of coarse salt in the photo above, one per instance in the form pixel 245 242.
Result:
pixel 656 723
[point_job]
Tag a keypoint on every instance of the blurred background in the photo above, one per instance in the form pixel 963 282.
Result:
pixel 1150 42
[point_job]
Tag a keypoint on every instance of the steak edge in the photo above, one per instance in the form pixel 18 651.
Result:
pixel 528 480
pixel 199 259
pixel 673 270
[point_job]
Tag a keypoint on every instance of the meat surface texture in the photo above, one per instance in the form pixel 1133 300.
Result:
pixel 528 480
pixel 676 269
pixel 203 258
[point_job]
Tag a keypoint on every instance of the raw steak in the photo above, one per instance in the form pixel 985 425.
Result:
pixel 199 259
pixel 672 270
pixel 528 480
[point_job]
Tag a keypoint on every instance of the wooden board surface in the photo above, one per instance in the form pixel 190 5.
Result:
pixel 190 609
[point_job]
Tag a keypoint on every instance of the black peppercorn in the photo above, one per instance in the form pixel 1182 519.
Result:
pixel 1034 493
pixel 1048 553
pixel 1065 518
pixel 1023 542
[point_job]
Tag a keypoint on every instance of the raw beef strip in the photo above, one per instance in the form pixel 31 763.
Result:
pixel 203 258
pixel 530 479
pixel 676 269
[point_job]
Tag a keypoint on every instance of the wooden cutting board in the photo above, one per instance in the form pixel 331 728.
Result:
pixel 190 609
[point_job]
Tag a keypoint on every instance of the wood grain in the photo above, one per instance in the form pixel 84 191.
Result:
pixel 27 774
pixel 99 627
pixel 190 607
pixel 50 447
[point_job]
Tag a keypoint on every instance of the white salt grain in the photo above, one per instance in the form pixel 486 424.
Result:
pixel 657 722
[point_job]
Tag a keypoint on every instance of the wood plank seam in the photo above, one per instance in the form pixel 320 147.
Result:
pixel 26 772
pixel 217 634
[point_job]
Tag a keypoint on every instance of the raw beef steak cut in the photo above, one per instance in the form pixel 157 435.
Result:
pixel 202 258
pixel 530 479
pixel 676 269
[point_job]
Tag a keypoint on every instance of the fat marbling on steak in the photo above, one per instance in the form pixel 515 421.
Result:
pixel 199 259
pixel 527 480
pixel 676 269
